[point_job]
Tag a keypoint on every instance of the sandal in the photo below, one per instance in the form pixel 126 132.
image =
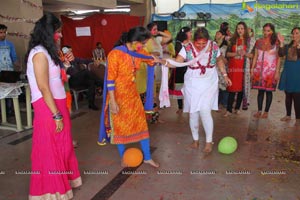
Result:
pixel 285 118
pixel 152 163
pixel 208 147
pixel 245 108
pixel 103 143
pixel 257 115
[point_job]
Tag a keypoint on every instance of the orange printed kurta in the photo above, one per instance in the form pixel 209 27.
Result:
pixel 129 125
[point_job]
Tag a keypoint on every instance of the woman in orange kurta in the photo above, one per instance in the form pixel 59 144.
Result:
pixel 127 117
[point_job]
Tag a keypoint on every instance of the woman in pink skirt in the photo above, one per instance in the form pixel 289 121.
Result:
pixel 54 164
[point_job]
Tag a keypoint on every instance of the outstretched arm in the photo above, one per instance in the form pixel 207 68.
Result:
pixel 221 65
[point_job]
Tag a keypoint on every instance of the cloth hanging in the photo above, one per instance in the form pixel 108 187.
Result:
pixel 164 98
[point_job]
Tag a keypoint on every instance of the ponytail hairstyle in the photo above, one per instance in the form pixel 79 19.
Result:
pixel 224 27
pixel 136 34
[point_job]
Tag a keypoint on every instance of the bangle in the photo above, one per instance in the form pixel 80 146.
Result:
pixel 57 117
pixel 225 74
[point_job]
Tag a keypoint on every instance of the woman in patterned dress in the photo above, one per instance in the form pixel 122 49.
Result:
pixel 247 75
pixel 222 44
pixel 237 57
pixel 265 70
pixel 126 119
pixel 200 88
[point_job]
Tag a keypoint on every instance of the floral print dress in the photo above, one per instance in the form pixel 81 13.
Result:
pixel 265 68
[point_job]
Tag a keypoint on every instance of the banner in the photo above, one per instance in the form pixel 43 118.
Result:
pixel 283 14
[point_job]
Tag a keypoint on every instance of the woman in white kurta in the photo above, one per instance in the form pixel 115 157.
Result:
pixel 200 88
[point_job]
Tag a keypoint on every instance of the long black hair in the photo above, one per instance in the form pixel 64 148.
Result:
pixel 274 35
pixel 224 42
pixel 151 25
pixel 180 37
pixel 295 28
pixel 42 34
pixel 224 27
pixel 235 36
pixel 138 34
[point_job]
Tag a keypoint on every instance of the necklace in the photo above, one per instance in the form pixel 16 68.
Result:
pixel 239 48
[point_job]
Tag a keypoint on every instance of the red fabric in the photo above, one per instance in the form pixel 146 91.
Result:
pixel 236 71
pixel 107 34
pixel 175 92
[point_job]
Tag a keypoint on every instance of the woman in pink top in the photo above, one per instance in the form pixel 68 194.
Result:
pixel 265 70
pixel 54 164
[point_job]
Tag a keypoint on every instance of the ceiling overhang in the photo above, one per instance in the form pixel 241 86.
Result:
pixel 62 6
pixel 69 7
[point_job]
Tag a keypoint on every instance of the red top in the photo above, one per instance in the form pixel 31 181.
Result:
pixel 236 67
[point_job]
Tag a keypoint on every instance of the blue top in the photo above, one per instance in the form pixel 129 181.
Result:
pixel 290 76
pixel 8 55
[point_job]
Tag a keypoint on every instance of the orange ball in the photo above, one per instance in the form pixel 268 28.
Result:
pixel 132 157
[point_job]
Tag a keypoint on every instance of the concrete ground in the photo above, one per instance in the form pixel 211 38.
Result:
pixel 264 167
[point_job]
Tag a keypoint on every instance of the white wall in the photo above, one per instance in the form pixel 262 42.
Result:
pixel 16 12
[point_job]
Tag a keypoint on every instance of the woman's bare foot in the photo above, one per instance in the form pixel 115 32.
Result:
pixel 75 143
pixel 179 112
pixel 285 118
pixel 152 163
pixel 227 114
pixel 123 163
pixel 237 112
pixel 195 144
pixel 208 147
pixel 257 115
pixel 297 123
pixel 160 121
pixel 265 115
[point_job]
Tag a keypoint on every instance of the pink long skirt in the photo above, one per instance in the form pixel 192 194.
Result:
pixel 54 164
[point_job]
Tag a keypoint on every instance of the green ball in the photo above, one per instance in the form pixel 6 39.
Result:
pixel 227 145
